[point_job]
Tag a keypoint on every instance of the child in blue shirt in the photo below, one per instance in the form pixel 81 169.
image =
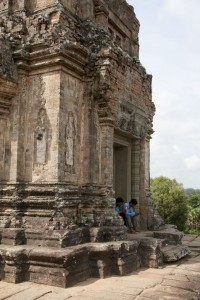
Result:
pixel 121 208
pixel 130 216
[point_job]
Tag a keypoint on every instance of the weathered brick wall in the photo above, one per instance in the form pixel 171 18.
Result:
pixel 75 82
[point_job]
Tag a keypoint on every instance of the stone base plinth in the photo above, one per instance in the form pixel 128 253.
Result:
pixel 66 267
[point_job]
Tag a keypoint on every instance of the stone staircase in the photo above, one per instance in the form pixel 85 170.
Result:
pixel 67 266
pixel 162 246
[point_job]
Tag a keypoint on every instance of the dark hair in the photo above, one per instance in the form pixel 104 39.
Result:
pixel 119 200
pixel 133 201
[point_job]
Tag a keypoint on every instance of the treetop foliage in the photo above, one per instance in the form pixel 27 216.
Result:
pixel 170 199
pixel 175 204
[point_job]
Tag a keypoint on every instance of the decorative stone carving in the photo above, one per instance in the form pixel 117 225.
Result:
pixel 86 9
pixel 70 137
pixel 131 120
pixel 57 221
pixel 41 135
pixel 3 5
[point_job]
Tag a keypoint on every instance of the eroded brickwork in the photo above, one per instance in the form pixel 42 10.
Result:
pixel 70 82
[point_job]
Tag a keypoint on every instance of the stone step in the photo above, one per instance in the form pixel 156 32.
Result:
pixel 61 238
pixel 174 253
pixel 171 235
pixel 158 247
pixel 68 266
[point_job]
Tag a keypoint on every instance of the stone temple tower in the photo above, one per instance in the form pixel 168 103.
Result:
pixel 75 121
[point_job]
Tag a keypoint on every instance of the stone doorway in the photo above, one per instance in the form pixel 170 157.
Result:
pixel 122 168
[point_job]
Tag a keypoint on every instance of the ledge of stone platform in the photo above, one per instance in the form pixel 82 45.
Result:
pixel 67 266
pixel 62 238
pixel 172 236
pixel 174 253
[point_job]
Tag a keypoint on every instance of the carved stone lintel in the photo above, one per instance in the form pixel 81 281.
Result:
pixel 133 120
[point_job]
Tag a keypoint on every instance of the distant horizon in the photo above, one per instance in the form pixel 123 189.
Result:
pixel 188 188
pixel 170 51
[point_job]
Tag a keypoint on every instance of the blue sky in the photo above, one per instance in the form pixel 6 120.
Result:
pixel 170 51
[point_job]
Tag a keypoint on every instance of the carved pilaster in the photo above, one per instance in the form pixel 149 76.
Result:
pixel 7 91
pixel 107 141
pixel 135 168
pixel 145 203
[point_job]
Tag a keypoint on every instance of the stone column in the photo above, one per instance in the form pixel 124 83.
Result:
pixel 135 168
pixel 141 178
pixel 145 201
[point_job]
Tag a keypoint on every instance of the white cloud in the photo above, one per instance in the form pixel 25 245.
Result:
pixel 176 150
pixel 192 162
pixel 189 10
pixel 170 50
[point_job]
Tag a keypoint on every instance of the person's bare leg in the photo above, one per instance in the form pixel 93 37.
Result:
pixel 130 225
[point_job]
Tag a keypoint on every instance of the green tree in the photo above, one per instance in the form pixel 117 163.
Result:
pixel 194 199
pixel 170 200
pixel 193 220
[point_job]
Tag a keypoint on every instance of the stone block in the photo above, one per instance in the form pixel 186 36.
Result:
pixel 102 263
pixel 150 253
pixel 75 237
pixel 175 253
pixel 14 264
pixel 117 258
pixel 107 233
pixel 172 236
pixel 62 268
pixel 13 236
